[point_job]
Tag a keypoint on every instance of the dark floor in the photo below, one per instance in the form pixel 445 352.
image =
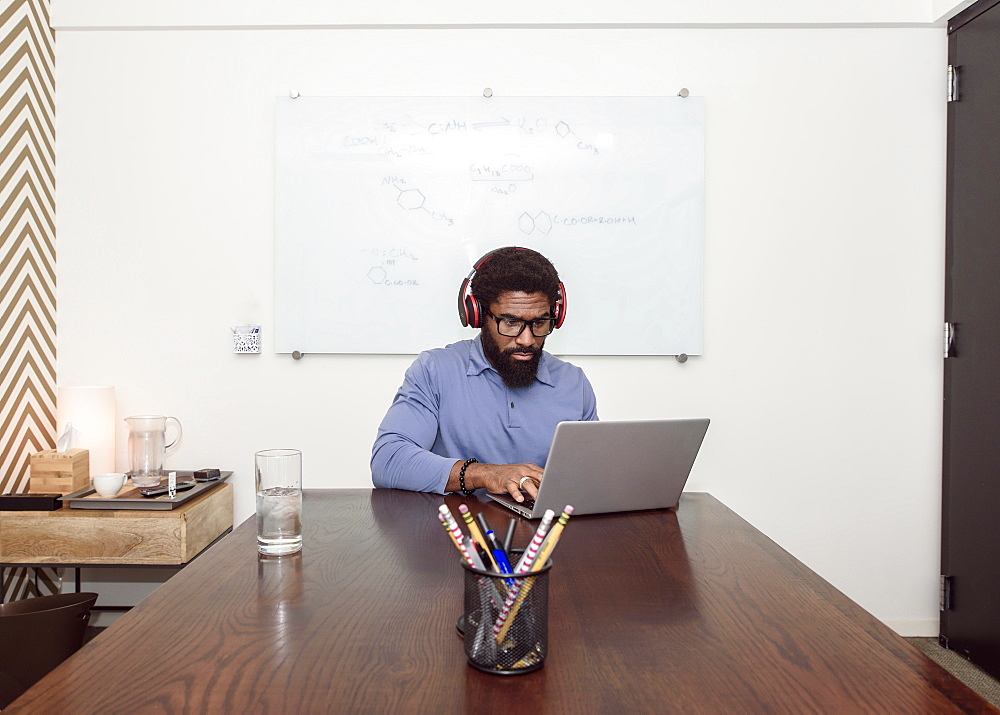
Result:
pixel 970 674
pixel 91 633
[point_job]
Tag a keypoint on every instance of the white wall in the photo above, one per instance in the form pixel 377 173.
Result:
pixel 824 260
pixel 943 10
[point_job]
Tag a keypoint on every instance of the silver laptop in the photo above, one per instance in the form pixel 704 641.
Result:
pixel 600 467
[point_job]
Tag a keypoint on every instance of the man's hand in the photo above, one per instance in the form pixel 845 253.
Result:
pixel 499 478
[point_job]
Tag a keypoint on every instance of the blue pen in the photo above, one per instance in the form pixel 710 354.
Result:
pixel 498 553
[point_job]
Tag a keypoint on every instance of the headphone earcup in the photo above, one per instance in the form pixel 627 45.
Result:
pixel 470 310
pixel 473 311
pixel 463 303
pixel 560 311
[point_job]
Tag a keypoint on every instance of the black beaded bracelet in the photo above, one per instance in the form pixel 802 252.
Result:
pixel 461 477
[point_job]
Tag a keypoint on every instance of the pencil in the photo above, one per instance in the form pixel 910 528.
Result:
pixel 473 561
pixel 553 538
pixel 543 528
pixel 458 544
pixel 543 557
pixel 477 534
pixel 523 567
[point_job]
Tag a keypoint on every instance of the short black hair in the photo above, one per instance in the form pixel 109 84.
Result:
pixel 515 269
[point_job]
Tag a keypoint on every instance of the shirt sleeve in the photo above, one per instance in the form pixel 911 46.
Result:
pixel 401 456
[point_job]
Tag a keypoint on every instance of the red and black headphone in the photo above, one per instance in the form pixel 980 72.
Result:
pixel 471 311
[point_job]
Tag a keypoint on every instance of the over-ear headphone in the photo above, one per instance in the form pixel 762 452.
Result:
pixel 471 311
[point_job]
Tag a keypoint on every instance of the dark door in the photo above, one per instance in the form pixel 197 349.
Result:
pixel 970 554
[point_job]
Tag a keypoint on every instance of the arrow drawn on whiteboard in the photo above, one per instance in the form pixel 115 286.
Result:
pixel 504 122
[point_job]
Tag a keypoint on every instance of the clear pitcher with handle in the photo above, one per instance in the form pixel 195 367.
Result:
pixel 147 447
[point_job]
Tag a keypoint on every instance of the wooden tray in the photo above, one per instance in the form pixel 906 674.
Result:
pixel 130 498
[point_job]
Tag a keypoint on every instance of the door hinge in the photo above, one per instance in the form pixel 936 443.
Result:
pixel 949 338
pixel 944 601
pixel 952 83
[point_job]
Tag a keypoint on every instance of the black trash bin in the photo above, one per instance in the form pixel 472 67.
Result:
pixel 37 635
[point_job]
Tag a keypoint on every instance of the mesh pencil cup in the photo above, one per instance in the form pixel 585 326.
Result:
pixel 506 620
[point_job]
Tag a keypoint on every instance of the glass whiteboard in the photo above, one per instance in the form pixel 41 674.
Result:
pixel 384 203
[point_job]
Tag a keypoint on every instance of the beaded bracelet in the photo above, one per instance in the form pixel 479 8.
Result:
pixel 461 477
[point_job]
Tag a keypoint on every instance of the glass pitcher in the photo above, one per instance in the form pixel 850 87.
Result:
pixel 147 447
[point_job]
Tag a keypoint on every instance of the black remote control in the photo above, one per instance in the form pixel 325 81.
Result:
pixel 158 491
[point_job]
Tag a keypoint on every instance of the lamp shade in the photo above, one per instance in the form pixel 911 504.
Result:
pixel 91 410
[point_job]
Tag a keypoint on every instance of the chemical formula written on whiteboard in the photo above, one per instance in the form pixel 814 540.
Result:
pixel 412 199
pixel 501 172
pixel 388 267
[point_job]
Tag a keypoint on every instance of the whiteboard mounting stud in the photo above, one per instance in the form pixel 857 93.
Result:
pixel 293 93
pixel 487 92
pixel 683 93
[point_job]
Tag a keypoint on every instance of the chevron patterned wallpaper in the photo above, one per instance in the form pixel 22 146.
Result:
pixel 27 254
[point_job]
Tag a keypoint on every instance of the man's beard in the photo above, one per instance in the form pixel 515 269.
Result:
pixel 515 373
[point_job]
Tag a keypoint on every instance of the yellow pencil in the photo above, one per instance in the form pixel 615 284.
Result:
pixel 543 557
pixel 477 534
pixel 553 537
pixel 444 523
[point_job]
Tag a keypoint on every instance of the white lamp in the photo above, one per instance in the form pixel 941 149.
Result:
pixel 91 410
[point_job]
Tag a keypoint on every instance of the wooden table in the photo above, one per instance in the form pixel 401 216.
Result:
pixel 73 538
pixel 686 611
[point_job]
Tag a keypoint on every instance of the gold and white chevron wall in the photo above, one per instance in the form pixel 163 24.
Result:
pixel 27 252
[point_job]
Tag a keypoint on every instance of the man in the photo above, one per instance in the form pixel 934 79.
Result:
pixel 481 413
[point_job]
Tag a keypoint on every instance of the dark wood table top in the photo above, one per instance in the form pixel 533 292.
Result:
pixel 690 610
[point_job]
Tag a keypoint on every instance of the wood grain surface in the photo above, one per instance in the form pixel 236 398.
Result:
pixel 116 537
pixel 686 611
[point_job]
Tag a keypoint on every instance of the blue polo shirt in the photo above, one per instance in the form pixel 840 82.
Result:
pixel 453 405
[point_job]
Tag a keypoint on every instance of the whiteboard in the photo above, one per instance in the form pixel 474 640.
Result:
pixel 382 205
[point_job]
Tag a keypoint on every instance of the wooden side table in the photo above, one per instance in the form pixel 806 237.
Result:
pixel 73 538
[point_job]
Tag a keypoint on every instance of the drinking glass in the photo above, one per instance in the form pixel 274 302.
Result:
pixel 278 477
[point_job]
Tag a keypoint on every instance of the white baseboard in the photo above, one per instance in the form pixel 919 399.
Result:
pixel 928 628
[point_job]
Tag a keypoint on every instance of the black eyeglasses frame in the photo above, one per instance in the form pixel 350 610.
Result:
pixel 524 323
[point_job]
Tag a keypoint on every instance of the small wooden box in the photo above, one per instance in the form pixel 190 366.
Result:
pixel 59 472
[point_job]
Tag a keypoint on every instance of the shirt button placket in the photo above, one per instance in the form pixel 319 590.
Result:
pixel 512 420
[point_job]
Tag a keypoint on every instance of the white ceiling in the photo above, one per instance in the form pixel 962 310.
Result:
pixel 120 14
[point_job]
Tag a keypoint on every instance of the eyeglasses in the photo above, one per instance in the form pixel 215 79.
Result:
pixel 512 327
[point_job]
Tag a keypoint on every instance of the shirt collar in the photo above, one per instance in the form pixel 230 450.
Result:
pixel 478 362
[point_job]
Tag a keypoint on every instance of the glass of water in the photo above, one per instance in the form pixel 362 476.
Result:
pixel 278 476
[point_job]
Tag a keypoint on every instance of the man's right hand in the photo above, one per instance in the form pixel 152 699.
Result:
pixel 499 478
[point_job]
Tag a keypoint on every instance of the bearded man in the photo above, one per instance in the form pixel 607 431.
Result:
pixel 481 413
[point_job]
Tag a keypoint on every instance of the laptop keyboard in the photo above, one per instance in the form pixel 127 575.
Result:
pixel 528 502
